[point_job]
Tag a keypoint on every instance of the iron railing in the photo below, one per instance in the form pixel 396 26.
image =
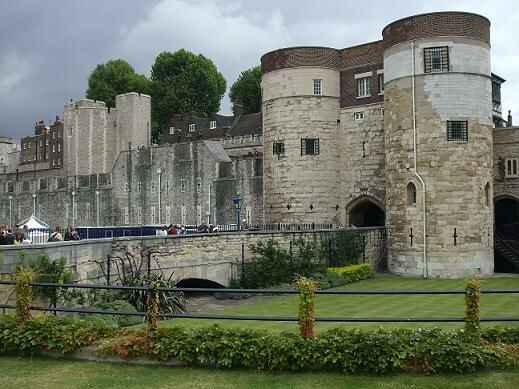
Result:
pixel 204 316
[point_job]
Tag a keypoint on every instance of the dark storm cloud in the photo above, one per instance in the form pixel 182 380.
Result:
pixel 48 48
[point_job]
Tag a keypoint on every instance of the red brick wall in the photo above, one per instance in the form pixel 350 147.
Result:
pixel 437 24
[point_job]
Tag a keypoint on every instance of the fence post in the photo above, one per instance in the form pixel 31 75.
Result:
pixel 149 264
pixel 242 263
pixel 108 269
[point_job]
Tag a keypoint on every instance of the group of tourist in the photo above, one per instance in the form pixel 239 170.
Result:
pixel 180 229
pixel 70 234
pixel 17 237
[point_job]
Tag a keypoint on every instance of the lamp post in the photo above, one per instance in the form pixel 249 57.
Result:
pixel 34 204
pixel 97 208
pixel 73 208
pixel 10 211
pixel 237 206
pixel 159 172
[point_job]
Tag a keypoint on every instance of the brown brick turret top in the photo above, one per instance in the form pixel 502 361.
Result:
pixel 301 56
pixel 460 24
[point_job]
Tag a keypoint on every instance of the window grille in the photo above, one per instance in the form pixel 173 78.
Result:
pixel 457 131
pixel 436 59
pixel 309 146
pixel 358 116
pixel 192 127
pixel 278 148
pixel 317 87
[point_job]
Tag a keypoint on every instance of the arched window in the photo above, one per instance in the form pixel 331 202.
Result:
pixel 411 194
pixel 487 194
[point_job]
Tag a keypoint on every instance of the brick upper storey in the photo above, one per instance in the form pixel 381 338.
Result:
pixel 369 57
pixel 460 24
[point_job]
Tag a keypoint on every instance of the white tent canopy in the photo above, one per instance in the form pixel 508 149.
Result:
pixel 33 223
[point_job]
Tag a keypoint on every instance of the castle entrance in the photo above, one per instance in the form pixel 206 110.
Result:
pixel 506 239
pixel 366 212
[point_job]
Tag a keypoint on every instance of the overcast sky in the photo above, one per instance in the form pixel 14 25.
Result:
pixel 48 48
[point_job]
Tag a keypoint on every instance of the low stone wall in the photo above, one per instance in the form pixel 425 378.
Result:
pixel 214 257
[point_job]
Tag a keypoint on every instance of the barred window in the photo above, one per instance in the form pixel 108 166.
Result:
pixel 317 87
pixel 212 124
pixel 436 59
pixel 457 131
pixel 364 87
pixel 309 146
pixel 192 127
pixel 278 148
pixel 511 167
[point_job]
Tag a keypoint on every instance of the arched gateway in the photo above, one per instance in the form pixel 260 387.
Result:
pixel 366 211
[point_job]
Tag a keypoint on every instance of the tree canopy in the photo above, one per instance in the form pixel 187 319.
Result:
pixel 246 91
pixel 185 82
pixel 113 78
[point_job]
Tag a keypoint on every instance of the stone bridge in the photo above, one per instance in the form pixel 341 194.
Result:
pixel 209 257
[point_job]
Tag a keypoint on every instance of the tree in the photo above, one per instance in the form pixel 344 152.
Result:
pixel 185 82
pixel 246 91
pixel 113 78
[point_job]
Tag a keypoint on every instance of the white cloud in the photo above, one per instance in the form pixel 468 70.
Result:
pixel 13 70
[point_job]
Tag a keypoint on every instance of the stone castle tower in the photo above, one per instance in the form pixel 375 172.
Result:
pixel 396 132
pixel 438 142
pixel 95 135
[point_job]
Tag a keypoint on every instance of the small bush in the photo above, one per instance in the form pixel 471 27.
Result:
pixel 353 273
pixel 119 306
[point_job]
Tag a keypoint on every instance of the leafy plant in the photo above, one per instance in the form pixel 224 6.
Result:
pixel 23 289
pixel 353 273
pixel 472 295
pixel 50 271
pixel 307 288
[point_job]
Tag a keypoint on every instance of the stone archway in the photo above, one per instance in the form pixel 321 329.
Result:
pixel 366 211
pixel 506 240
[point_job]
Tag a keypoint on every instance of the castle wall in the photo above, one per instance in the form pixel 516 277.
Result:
pixel 506 146
pixel 362 157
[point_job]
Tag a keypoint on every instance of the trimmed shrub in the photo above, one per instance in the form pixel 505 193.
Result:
pixel 472 294
pixel 353 273
pixel 50 333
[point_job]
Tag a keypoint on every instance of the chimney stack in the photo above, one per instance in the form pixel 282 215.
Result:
pixel 509 122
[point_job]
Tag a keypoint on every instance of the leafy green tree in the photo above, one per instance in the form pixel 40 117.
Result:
pixel 246 91
pixel 185 82
pixel 113 78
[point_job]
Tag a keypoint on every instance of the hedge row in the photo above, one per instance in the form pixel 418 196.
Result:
pixel 349 351
pixel 50 333
pixel 353 273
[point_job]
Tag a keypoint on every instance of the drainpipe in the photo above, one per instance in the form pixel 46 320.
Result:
pixel 418 176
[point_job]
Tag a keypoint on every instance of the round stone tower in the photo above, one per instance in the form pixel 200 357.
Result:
pixel 438 143
pixel 300 97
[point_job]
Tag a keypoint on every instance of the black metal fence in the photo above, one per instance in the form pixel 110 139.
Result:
pixel 205 316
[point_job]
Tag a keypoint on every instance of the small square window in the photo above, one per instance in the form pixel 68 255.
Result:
pixel 278 148
pixel 212 124
pixel 512 168
pixel 364 87
pixel 358 115
pixel 192 127
pixel 436 59
pixel 457 131
pixel 310 146
pixel 317 87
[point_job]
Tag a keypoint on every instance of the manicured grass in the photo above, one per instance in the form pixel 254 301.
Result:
pixel 64 374
pixel 492 305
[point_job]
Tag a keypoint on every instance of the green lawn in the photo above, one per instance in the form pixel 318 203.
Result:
pixel 64 374
pixel 492 305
